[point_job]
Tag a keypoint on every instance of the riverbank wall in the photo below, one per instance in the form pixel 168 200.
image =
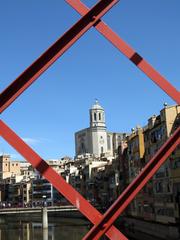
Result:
pixel 140 229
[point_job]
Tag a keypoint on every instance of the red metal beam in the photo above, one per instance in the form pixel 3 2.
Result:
pixel 54 52
pixel 133 189
pixel 103 224
pixel 129 52
pixel 57 181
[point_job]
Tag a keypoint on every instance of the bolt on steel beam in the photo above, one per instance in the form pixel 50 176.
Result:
pixel 129 52
pixel 133 189
pixel 56 180
pixel 54 52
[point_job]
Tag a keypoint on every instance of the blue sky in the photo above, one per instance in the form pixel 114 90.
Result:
pixel 49 113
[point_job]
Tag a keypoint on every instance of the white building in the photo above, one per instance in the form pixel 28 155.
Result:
pixel 95 139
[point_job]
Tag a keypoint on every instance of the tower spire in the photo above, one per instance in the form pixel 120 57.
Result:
pixel 96 101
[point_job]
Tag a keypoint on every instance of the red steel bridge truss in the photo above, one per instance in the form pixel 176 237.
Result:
pixel 103 224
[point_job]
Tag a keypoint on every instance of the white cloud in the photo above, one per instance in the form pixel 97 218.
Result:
pixel 31 141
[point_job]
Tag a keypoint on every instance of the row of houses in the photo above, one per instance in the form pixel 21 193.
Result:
pixel 159 199
pixel 21 185
pixel 102 178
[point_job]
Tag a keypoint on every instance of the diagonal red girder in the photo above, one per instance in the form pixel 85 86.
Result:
pixel 54 52
pixel 33 72
pixel 129 52
pixel 103 224
pixel 133 189
pixel 56 180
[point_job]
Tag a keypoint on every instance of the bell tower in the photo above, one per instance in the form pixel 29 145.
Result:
pixel 98 129
pixel 97 115
pixel 93 139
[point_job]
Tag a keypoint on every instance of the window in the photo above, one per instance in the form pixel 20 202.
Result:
pixel 109 142
pixel 156 135
pixel 100 116
pixel 95 117
pixel 102 149
pixel 159 187
pixel 83 149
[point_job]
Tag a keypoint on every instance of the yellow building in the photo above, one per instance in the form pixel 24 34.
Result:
pixel 135 157
pixel 135 142
pixel 8 168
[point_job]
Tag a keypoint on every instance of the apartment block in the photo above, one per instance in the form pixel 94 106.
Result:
pixel 165 183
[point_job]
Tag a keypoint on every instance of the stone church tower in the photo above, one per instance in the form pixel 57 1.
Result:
pixel 93 140
pixel 96 139
pixel 98 129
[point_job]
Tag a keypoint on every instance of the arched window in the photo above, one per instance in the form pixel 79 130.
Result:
pixel 100 116
pixel 95 117
pixel 83 149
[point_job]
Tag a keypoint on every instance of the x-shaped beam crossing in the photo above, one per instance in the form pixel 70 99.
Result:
pixel 102 223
